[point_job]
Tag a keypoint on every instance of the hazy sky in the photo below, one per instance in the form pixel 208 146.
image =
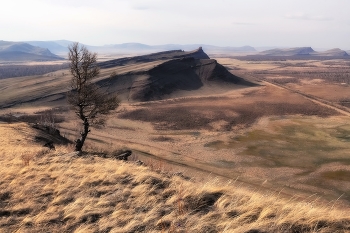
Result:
pixel 316 23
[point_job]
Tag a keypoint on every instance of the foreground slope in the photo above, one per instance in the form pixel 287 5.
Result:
pixel 44 191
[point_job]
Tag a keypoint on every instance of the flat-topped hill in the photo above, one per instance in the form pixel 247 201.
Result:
pixel 288 52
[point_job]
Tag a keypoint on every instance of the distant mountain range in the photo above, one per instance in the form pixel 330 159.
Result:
pixel 303 51
pixel 47 50
pixel 60 47
pixel 21 51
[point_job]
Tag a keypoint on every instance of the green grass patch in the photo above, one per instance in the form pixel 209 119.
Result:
pixel 298 144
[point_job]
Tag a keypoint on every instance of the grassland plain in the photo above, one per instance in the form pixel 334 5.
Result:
pixel 292 151
pixel 286 141
pixel 57 191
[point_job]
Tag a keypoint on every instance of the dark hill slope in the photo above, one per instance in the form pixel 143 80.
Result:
pixel 173 76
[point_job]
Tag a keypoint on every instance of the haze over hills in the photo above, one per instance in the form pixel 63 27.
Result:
pixel 302 51
pixel 60 47
pixel 20 51
pixel 333 52
pixel 288 52
pixel 57 47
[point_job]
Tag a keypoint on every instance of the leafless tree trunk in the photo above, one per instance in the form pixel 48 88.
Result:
pixel 88 100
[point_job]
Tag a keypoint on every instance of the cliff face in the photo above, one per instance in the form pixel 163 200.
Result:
pixel 197 54
pixel 186 74
pixel 185 71
pixel 174 73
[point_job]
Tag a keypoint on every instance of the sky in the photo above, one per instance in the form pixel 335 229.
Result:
pixel 258 23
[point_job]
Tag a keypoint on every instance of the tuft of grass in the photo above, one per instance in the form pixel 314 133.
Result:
pixel 26 158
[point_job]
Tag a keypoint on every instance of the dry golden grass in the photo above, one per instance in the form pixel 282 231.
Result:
pixel 62 192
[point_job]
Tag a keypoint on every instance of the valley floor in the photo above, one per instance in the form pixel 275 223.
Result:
pixel 300 148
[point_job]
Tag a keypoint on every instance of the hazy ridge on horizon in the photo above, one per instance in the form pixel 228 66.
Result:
pixel 58 48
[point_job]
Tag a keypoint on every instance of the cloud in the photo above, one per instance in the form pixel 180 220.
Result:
pixel 303 16
pixel 142 5
pixel 243 23
pixel 141 8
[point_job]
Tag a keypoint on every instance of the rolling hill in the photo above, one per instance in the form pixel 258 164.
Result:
pixel 57 47
pixel 57 191
pixel 334 52
pixel 169 73
pixel 151 77
pixel 20 51
pixel 173 77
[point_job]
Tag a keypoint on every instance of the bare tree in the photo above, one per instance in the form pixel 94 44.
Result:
pixel 88 100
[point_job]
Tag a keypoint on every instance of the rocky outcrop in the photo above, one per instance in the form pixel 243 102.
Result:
pixel 184 74
pixel 48 136
pixel 176 71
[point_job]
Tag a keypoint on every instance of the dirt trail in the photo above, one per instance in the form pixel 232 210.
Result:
pixel 311 98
